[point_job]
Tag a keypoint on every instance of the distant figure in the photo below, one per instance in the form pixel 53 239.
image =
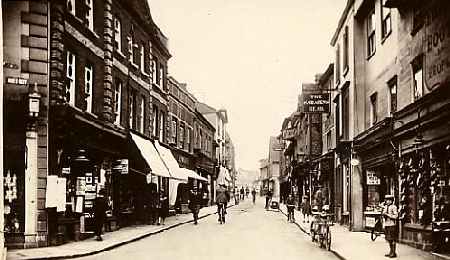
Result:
pixel 222 197
pixel 163 208
pixel 268 198
pixel 306 208
pixel 247 191
pixel 236 196
pixel 254 195
pixel 100 207
pixel 242 193
pixel 290 204
pixel 194 203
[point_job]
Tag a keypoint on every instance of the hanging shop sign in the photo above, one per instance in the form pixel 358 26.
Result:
pixel 121 166
pixel 372 178
pixel 316 102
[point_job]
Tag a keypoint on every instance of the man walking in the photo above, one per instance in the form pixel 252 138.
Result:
pixel 390 215
pixel 268 198
pixel 100 207
pixel 194 203
pixel 290 204
pixel 254 195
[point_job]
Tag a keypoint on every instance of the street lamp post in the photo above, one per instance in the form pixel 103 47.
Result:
pixel 31 167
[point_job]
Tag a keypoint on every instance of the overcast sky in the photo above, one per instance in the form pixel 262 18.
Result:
pixel 250 57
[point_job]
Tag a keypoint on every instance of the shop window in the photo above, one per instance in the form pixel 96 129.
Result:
pixel 392 85
pixel 70 73
pixel 155 121
pixel 142 115
pixel 373 109
pixel 417 78
pixel 386 24
pixel 71 6
pixel 117 101
pixel 117 35
pixel 371 33
pixel 161 127
pixel 88 86
pixel 90 14
pixel 345 47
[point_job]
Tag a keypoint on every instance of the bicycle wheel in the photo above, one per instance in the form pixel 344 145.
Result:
pixel 328 239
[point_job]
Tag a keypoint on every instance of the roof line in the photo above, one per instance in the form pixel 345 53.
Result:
pixel 341 21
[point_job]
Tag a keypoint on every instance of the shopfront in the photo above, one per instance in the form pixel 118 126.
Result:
pixel 82 161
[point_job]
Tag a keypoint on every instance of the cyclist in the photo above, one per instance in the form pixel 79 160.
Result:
pixel 221 201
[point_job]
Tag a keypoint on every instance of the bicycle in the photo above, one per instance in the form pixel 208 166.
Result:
pixel 221 212
pixel 320 229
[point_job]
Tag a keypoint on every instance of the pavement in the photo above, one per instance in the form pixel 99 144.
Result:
pixel 358 245
pixel 110 241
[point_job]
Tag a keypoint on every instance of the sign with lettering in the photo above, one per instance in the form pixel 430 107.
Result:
pixel 372 178
pixel 289 133
pixel 121 166
pixel 437 45
pixel 316 102
pixel 18 81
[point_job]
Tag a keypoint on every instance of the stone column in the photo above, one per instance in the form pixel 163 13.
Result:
pixel 31 176
pixel 108 50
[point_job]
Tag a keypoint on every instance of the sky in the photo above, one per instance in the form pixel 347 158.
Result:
pixel 249 57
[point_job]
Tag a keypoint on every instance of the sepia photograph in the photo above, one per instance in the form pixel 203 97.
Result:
pixel 225 129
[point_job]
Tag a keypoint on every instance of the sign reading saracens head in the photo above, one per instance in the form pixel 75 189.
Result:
pixel 436 45
pixel 316 102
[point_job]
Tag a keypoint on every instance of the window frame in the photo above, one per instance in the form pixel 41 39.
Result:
pixel 89 86
pixel 132 109
pixel 118 34
pixel 416 67
pixel 142 106
pixel 393 84
pixel 385 16
pixel 345 56
pixel 373 109
pixel 371 34
pixel 338 65
pixel 71 79
pixel 117 101
pixel 174 136
pixel 162 118
pixel 155 115
pixel 89 16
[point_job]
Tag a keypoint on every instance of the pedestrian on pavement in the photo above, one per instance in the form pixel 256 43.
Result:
pixel 290 205
pixel 100 207
pixel 268 198
pixel 254 195
pixel 390 215
pixel 247 191
pixel 242 193
pixel 194 203
pixel 163 207
pixel 306 208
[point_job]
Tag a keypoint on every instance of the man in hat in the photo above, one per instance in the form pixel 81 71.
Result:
pixel 390 215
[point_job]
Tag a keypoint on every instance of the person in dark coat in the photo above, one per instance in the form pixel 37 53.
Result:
pixel 100 207
pixel 194 203
pixel 163 207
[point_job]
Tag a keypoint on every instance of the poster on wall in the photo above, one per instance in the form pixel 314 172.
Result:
pixel 61 195
pixel 372 178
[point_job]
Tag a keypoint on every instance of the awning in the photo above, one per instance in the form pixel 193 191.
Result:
pixel 192 174
pixel 175 171
pixel 151 156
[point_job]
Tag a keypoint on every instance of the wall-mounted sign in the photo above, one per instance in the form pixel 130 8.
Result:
pixel 372 178
pixel 17 81
pixel 316 102
pixel 289 133
pixel 121 166
pixel 436 45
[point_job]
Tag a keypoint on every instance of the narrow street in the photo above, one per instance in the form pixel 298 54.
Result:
pixel 250 233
